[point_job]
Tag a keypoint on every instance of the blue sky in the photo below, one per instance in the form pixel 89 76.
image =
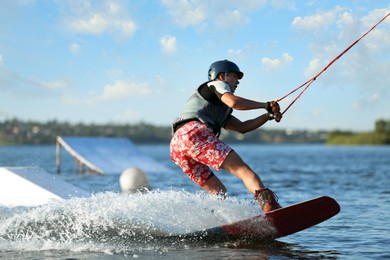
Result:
pixel 113 61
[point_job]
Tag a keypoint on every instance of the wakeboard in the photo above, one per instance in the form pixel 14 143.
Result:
pixel 280 222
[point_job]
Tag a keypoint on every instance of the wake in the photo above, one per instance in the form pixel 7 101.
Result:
pixel 116 221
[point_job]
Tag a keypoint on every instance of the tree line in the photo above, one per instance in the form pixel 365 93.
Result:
pixel 18 132
pixel 380 136
pixel 14 132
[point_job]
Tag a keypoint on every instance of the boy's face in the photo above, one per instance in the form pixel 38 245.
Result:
pixel 232 80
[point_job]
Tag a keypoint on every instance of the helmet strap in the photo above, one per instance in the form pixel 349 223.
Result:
pixel 224 77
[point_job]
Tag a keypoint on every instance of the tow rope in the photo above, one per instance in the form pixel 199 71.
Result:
pixel 308 83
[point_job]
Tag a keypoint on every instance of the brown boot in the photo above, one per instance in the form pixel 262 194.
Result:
pixel 267 199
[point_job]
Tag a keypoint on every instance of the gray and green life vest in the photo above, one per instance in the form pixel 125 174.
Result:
pixel 206 106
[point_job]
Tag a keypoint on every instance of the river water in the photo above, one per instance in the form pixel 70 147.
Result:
pixel 111 225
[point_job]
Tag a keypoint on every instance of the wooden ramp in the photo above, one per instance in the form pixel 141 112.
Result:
pixel 106 155
pixel 32 186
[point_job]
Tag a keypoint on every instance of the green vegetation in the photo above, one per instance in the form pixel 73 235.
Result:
pixel 16 132
pixel 380 136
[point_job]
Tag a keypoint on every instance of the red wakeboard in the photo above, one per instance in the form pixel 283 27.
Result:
pixel 280 222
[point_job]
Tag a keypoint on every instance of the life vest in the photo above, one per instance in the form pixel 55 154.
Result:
pixel 205 106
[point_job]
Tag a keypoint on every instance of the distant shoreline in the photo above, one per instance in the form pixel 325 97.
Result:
pixel 17 132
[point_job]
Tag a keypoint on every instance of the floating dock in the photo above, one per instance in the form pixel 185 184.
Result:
pixel 105 155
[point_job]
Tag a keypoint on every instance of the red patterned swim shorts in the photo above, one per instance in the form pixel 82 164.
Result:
pixel 195 148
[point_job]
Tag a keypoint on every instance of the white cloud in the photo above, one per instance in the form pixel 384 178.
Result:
pixel 205 15
pixel 168 44
pixel 128 116
pixel 277 64
pixel 186 12
pixel 113 7
pixel 122 90
pixel 100 17
pixel 1 60
pixel 119 90
pixel 368 101
pixel 375 15
pixel 17 84
pixel 55 84
pixel 74 48
pixel 314 67
pixel 71 100
pixel 127 27
pixel 365 66
pixel 114 73
pixel 95 24
pixel 235 52
pixel 316 22
pixel 380 36
pixel 283 4
pixel 231 19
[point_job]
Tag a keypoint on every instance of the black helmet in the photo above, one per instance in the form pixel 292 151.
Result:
pixel 224 66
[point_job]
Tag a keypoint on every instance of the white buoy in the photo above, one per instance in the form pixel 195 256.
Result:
pixel 134 180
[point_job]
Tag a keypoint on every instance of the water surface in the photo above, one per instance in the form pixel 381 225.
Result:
pixel 110 225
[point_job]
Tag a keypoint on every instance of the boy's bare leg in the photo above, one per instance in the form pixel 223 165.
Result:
pixel 214 186
pixel 235 165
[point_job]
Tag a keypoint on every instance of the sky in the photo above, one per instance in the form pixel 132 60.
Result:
pixel 126 62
